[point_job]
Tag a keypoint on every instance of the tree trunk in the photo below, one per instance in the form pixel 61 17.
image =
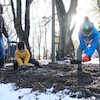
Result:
pixel 23 34
pixel 65 44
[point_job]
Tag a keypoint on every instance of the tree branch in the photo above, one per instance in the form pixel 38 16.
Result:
pixel 13 10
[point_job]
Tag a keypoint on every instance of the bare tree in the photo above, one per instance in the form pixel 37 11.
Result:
pixel 33 42
pixel 39 40
pixel 65 19
pixel 23 34
pixel 45 21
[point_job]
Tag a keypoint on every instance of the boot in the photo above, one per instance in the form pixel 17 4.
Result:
pixel 79 69
pixel 1 62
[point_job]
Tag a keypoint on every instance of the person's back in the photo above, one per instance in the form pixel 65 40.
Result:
pixel 22 55
pixel 22 52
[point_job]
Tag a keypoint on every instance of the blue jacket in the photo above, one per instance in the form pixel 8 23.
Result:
pixel 93 37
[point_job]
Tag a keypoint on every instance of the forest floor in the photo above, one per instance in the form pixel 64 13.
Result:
pixel 59 75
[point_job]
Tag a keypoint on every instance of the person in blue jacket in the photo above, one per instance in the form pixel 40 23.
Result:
pixel 89 42
pixel 2 31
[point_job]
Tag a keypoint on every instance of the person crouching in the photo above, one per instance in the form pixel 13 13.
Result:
pixel 22 57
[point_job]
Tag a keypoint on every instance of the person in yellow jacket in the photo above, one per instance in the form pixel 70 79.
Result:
pixel 22 57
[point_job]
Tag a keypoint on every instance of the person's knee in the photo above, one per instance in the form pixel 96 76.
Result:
pixel 15 64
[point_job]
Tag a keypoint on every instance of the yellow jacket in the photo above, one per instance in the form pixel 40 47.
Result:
pixel 22 57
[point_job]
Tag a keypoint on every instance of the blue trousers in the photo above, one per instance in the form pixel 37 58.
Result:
pixel 2 50
pixel 80 50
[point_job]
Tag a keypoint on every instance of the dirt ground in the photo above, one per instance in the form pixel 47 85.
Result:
pixel 60 76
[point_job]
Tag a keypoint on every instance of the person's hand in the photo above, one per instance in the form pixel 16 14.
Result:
pixel 86 58
pixel 8 40
pixel 23 67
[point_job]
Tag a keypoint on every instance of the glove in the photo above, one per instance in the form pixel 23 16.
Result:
pixel 86 58
pixel 8 40
pixel 23 67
